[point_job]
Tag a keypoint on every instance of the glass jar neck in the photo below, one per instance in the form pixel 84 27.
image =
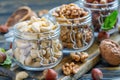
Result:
pixel 74 22
pixel 101 7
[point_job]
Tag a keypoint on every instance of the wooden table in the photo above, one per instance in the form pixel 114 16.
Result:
pixel 9 6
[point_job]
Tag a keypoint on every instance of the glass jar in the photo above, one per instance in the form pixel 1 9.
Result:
pixel 38 50
pixel 100 10
pixel 76 33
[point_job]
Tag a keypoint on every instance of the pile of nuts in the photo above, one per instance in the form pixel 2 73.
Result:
pixel 36 25
pixel 79 56
pixel 98 12
pixel 73 14
pixel 99 1
pixel 70 11
pixel 70 68
pixel 35 53
pixel 77 36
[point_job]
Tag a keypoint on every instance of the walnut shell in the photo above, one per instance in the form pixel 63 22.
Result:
pixel 110 51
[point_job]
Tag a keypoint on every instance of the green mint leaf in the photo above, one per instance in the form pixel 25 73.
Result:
pixel 2 50
pixel 110 21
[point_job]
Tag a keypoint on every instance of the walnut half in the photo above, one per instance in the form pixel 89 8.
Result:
pixel 79 56
pixel 70 68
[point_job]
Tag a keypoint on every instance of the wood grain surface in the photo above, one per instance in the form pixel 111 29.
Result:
pixel 93 59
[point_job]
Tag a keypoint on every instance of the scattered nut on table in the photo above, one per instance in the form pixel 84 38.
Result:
pixel 70 68
pixel 21 75
pixel 79 56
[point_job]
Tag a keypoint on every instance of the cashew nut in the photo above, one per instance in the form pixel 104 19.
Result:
pixel 17 53
pixel 58 54
pixel 36 64
pixel 34 53
pixel 28 61
pixel 21 75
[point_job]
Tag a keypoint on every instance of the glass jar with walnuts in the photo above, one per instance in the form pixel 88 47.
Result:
pixel 36 44
pixel 76 28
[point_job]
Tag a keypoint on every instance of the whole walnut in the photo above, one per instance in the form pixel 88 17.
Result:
pixel 110 51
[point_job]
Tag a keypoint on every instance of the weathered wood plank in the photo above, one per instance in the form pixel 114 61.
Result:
pixel 84 67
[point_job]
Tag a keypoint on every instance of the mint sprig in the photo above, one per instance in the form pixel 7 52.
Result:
pixel 110 21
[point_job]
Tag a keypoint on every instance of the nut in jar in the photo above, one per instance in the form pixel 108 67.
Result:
pixel 36 45
pixel 76 29
pixel 100 10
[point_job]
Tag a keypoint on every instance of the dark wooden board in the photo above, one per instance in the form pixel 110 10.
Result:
pixel 93 59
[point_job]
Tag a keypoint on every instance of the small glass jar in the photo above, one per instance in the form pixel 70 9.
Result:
pixel 76 33
pixel 100 10
pixel 36 51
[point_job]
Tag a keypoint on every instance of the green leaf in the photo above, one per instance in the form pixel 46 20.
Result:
pixel 110 21
pixel 2 50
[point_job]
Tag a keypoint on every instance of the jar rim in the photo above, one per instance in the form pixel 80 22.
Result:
pixel 87 17
pixel 92 4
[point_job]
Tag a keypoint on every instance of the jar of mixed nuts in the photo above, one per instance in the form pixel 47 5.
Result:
pixel 100 10
pixel 36 45
pixel 76 28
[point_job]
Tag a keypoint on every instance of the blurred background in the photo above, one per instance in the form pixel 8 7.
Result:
pixel 7 7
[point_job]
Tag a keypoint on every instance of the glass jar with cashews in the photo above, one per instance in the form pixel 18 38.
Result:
pixel 36 44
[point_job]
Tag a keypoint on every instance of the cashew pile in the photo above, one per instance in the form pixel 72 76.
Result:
pixel 35 53
pixel 79 56
pixel 38 26
pixel 70 68
pixel 73 14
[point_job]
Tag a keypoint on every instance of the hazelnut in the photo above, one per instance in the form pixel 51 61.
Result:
pixel 3 28
pixel 2 57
